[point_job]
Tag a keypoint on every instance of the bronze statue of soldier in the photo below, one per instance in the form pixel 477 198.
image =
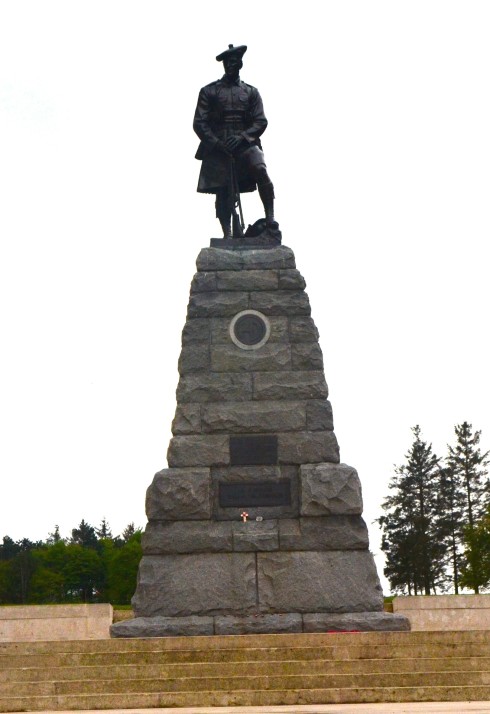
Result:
pixel 229 121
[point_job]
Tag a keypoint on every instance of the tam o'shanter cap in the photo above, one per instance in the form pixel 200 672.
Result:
pixel 240 51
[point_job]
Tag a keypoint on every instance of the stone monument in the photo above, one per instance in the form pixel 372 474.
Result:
pixel 255 526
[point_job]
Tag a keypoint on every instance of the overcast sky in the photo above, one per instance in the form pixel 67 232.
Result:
pixel 379 148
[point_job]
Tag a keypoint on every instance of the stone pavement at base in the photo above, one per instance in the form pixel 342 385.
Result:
pixel 408 708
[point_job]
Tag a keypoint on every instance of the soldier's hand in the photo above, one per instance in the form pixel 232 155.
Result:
pixel 221 146
pixel 233 143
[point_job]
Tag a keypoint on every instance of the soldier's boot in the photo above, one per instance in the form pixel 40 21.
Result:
pixel 266 192
pixel 226 227
pixel 223 213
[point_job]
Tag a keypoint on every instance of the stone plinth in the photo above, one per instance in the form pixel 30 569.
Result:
pixel 253 432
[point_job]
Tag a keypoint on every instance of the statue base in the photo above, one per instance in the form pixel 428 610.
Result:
pixel 260 624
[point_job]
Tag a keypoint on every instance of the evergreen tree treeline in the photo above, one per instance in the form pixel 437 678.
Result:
pixel 91 566
pixel 436 521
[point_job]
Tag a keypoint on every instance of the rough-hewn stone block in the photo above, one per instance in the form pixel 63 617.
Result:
pixel 265 416
pixel 164 627
pixel 324 533
pixel 248 280
pixel 196 330
pixel 204 282
pixel 281 302
pixel 355 622
pixel 187 537
pixel 229 358
pixel 319 415
pixel 195 584
pixel 194 357
pixel 306 355
pixel 214 387
pixel 302 329
pixel 257 624
pixel 220 330
pixel 308 447
pixel 290 385
pixel 209 450
pixel 178 494
pixel 216 304
pixel 219 259
pixel 255 535
pixel 187 419
pixel 291 280
pixel 324 581
pixel 328 489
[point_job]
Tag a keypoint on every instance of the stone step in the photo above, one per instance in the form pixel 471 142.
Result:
pixel 245 668
pixel 144 700
pixel 224 683
pixel 353 652
pixel 244 641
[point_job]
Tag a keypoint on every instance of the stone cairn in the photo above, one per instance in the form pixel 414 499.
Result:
pixel 255 526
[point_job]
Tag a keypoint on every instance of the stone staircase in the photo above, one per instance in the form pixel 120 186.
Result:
pixel 245 670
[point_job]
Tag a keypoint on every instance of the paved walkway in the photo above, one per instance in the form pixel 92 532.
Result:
pixel 409 708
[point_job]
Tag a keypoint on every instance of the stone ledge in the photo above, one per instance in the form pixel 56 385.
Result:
pixel 260 623
pixel 219 259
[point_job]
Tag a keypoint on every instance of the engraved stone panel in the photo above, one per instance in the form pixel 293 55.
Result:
pixel 255 493
pixel 248 475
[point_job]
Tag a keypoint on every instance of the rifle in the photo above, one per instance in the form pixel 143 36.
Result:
pixel 237 220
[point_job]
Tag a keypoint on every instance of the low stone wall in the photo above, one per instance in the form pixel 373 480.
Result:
pixel 445 612
pixel 25 623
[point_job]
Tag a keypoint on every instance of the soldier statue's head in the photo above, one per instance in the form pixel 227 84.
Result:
pixel 232 59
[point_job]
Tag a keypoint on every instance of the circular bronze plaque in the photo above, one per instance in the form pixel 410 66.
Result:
pixel 250 329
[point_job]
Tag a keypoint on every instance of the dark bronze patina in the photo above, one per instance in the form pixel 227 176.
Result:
pixel 229 120
pixel 253 450
pixel 255 493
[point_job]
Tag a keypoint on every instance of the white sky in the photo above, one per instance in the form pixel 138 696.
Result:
pixel 379 148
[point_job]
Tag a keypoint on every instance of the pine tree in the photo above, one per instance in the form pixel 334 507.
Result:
pixel 468 468
pixel 84 535
pixel 104 530
pixel 412 537
pixel 128 532
pixel 451 506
